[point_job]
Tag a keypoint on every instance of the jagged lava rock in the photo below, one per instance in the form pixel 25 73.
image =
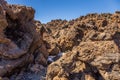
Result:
pixel 20 42
pixel 88 59
pixel 96 55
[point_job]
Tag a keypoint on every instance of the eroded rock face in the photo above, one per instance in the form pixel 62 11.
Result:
pixel 93 59
pixel 65 35
pixel 20 41
pixel 94 53
pixel 87 48
pixel 62 36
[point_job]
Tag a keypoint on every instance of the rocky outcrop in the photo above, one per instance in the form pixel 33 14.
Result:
pixel 62 36
pixel 94 53
pixel 65 35
pixel 86 48
pixel 88 61
pixel 21 42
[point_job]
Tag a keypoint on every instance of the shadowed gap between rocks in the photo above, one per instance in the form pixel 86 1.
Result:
pixel 90 70
pixel 14 31
pixel 116 38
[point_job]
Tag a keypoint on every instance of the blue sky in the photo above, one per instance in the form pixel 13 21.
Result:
pixel 47 10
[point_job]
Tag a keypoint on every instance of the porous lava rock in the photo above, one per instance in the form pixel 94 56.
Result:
pixel 94 53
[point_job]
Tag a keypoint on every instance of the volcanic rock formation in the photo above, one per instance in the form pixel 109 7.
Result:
pixel 91 46
pixel 21 41
pixel 86 48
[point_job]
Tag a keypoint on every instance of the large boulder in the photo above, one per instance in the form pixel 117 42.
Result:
pixel 20 41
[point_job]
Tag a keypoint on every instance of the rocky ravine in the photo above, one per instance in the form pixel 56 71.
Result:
pixel 87 48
